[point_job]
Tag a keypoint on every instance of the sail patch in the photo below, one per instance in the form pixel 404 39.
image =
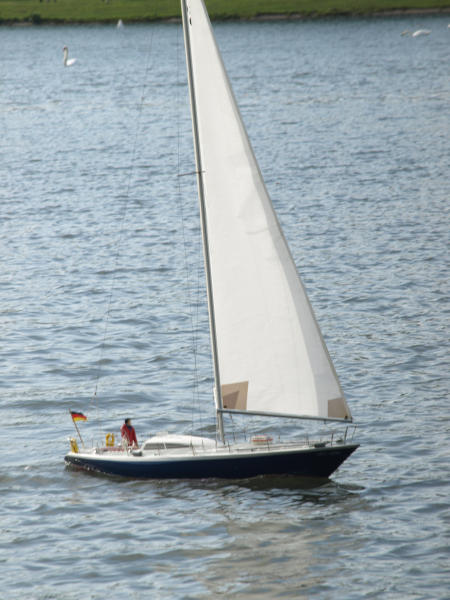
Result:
pixel 234 395
pixel 338 409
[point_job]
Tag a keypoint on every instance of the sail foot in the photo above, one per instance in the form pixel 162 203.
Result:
pixel 235 395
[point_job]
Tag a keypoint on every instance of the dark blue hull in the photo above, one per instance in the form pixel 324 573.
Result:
pixel 311 462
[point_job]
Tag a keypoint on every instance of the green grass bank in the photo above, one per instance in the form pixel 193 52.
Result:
pixel 109 11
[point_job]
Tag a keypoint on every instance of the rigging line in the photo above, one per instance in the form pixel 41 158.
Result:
pixel 195 390
pixel 124 213
pixel 190 173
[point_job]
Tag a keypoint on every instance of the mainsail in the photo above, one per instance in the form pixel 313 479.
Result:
pixel 271 356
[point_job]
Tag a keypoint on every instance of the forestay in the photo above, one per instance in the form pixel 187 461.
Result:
pixel 271 354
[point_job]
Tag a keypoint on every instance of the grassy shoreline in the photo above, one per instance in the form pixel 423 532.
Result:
pixel 140 11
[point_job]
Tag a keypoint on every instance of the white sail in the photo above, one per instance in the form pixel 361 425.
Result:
pixel 270 353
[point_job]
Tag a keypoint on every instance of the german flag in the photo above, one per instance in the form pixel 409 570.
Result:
pixel 77 416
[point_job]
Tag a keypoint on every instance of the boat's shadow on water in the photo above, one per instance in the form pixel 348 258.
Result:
pixel 309 487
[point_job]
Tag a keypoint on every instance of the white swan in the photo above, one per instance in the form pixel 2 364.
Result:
pixel 68 62
pixel 421 32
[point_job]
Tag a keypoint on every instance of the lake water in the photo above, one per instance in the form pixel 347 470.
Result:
pixel 101 308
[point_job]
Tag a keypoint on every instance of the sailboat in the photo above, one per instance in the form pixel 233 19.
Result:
pixel 268 353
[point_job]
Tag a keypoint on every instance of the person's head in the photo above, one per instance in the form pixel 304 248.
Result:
pixel 127 421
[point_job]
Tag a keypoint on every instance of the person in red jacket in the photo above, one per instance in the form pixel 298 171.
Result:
pixel 128 434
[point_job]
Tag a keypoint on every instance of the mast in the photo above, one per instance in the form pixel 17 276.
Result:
pixel 203 223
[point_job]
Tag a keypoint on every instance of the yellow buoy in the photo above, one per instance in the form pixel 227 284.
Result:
pixel 110 439
pixel 73 445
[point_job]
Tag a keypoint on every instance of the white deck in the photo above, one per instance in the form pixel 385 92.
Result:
pixel 184 447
